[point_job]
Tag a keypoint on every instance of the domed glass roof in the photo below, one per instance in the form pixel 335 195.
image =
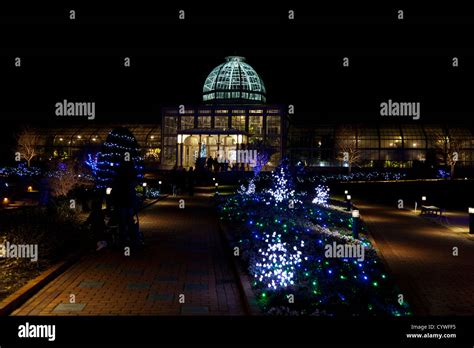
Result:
pixel 234 81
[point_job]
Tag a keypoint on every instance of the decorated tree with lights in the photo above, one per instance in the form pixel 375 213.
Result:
pixel 278 262
pixel 247 190
pixel 63 178
pixel 119 147
pixel 322 195
pixel 283 188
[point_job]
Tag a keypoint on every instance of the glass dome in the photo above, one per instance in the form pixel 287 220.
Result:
pixel 234 81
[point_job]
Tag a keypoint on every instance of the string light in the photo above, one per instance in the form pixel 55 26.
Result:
pixel 117 148
pixel 249 190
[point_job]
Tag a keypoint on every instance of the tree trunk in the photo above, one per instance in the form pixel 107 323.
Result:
pixel 452 172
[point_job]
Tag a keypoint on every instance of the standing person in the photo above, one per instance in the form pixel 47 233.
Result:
pixel 96 221
pixel 209 163
pixel 174 181
pixel 125 203
pixel 216 164
pixel 182 181
pixel 190 176
pixel 82 197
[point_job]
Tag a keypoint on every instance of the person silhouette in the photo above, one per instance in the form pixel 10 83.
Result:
pixel 96 221
pixel 190 177
pixel 124 201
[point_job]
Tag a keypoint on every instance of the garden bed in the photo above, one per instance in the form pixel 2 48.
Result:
pixel 283 241
pixel 56 231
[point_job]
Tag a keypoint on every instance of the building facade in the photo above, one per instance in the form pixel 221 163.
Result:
pixel 233 120
pixel 381 145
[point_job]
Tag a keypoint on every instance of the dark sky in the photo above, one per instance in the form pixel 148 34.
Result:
pixel 299 61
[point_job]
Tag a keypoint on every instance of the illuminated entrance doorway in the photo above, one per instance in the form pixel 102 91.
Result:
pixel 191 150
pixel 194 144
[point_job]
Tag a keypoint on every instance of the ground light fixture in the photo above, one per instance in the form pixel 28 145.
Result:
pixel 144 184
pixel 355 223
pixel 349 204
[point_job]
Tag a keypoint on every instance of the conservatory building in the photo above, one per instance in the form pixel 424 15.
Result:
pixel 234 118
pixel 235 125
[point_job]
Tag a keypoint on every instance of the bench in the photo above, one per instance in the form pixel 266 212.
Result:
pixel 430 210
pixel 435 211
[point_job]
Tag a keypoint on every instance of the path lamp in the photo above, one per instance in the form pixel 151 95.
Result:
pixel 355 224
pixel 108 203
pixel 349 203
pixel 471 220
pixel 217 188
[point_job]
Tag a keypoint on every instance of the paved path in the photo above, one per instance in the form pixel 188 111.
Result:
pixel 184 256
pixel 420 254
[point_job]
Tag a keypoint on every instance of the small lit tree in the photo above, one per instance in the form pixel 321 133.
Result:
pixel 283 188
pixel 346 147
pixel 27 144
pixel 449 148
pixel 119 147
pixel 264 153
pixel 64 178
pixel 322 195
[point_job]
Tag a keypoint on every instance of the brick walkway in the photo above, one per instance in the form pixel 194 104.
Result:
pixel 184 255
pixel 419 252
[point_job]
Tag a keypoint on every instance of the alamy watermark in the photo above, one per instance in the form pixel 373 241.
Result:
pixel 28 330
pixel 84 109
pixel 344 251
pixel 393 108
pixel 237 156
pixel 22 251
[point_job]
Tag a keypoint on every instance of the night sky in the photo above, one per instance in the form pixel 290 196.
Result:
pixel 300 62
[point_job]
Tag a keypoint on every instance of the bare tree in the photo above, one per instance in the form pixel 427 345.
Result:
pixel 27 144
pixel 449 148
pixel 346 147
pixel 64 178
